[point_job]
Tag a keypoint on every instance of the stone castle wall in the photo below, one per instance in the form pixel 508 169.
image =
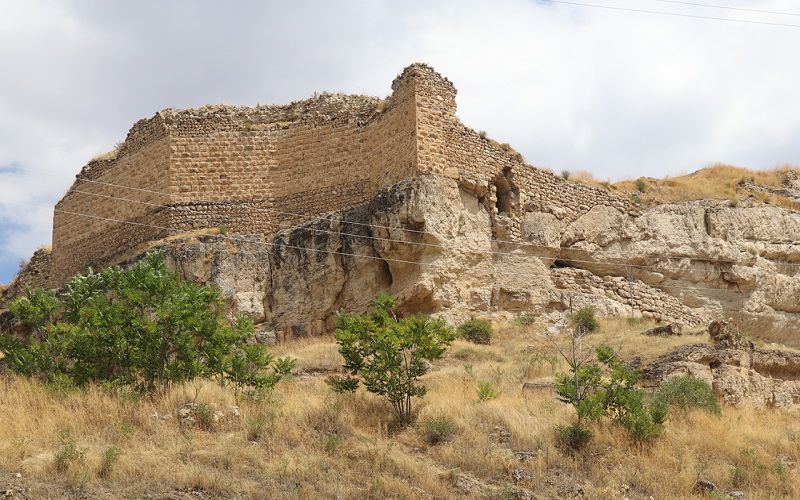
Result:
pixel 255 170
pixel 35 274
pixel 252 170
pixel 85 227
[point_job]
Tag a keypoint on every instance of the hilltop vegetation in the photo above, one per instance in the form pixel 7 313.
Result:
pixel 716 182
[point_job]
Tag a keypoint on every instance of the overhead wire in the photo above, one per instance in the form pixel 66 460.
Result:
pixel 674 14
pixel 728 7
pixel 626 265
pixel 245 240
pixel 310 218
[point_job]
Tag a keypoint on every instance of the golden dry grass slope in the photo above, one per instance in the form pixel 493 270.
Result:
pixel 304 441
pixel 716 182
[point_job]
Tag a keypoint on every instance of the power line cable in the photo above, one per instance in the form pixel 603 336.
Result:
pixel 242 239
pixel 626 265
pixel 726 7
pixel 311 218
pixel 674 14
pixel 411 243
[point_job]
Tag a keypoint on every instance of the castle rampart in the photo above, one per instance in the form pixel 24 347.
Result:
pixel 255 170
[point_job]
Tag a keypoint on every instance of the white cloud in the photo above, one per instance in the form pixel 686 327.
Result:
pixel 621 94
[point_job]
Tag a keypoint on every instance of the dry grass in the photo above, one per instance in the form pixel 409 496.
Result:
pixel 583 176
pixel 718 182
pixel 109 155
pixel 304 441
pixel 149 245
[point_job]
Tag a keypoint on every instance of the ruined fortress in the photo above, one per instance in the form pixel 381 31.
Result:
pixel 325 202
pixel 254 170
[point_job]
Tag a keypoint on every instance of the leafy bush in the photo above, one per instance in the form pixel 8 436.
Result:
pixel 618 398
pixel 538 359
pixel 625 402
pixel 524 320
pixel 438 429
pixel 687 392
pixel 387 354
pixel 68 453
pixel 584 320
pixel 573 437
pixel 140 326
pixel 107 461
pixel 477 331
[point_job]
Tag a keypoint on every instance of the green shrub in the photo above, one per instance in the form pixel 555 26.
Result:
pixel 584 320
pixel 539 358
pixel 330 442
pixel 641 186
pixel 573 437
pixel 617 397
pixel 205 416
pixel 477 331
pixel 141 326
pixel 687 392
pixel 107 461
pixel 524 320
pixel 486 390
pixel 68 453
pixel 438 429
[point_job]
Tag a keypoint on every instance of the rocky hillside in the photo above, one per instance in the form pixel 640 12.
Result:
pixel 435 245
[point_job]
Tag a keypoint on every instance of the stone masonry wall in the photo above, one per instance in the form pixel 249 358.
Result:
pixel 85 227
pixel 651 301
pixel 493 171
pixel 252 170
pixel 35 274
pixel 511 187
pixel 257 169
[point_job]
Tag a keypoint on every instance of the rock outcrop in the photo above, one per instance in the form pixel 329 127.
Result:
pixel 437 244
pixel 739 372
pixel 432 242
pixel 327 201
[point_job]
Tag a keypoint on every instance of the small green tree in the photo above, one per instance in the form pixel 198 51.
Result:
pixel 618 397
pixel 140 326
pixel 584 377
pixel 387 354
pixel 625 402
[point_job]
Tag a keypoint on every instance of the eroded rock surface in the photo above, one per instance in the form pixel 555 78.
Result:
pixel 433 243
pixel 739 372
pixel 443 247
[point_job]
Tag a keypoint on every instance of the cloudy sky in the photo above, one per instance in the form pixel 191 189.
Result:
pixel 619 88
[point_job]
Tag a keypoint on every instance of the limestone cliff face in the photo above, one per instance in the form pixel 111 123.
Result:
pixel 724 261
pixel 737 370
pixel 433 243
